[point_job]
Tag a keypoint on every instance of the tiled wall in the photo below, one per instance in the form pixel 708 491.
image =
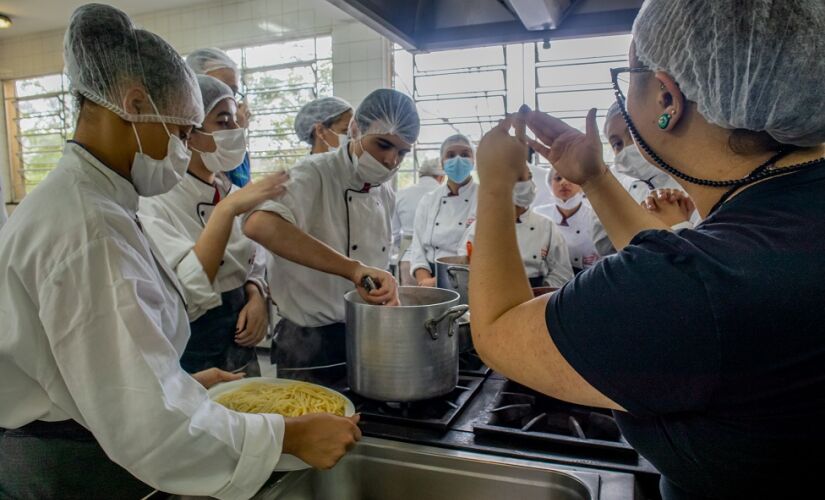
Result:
pixel 361 60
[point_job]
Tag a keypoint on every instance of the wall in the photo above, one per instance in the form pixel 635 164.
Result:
pixel 361 57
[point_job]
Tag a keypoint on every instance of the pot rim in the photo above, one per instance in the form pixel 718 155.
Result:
pixel 456 297
pixel 441 261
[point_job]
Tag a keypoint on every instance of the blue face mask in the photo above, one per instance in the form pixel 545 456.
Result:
pixel 458 168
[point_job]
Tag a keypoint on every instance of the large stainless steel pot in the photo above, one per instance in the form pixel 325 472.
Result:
pixel 453 273
pixel 404 353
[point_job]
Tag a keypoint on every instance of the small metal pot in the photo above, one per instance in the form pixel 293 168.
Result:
pixel 453 273
pixel 404 353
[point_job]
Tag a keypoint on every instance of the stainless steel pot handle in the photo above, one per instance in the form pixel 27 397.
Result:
pixel 451 270
pixel 452 313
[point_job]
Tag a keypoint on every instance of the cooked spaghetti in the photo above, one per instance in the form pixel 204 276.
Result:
pixel 291 400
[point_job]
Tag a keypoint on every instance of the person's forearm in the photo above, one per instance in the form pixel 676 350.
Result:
pixel 289 242
pixel 211 244
pixel 252 289
pixel 618 212
pixel 498 281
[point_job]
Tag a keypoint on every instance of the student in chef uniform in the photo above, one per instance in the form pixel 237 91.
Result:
pixel 322 123
pixel 542 246
pixel 707 342
pixel 93 400
pixel 217 63
pixel 584 235
pixel 653 188
pixel 445 213
pixel 329 231
pixel 197 228
pixel 430 177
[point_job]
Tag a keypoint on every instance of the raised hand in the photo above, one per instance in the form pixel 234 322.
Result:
pixel 576 156
pixel 254 193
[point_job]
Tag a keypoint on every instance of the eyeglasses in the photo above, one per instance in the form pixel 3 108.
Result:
pixel 239 96
pixel 621 80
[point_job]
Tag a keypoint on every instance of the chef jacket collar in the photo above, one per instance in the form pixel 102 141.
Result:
pixel 461 189
pixel 117 187
pixel 202 191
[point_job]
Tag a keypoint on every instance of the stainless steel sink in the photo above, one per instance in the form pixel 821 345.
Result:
pixel 389 470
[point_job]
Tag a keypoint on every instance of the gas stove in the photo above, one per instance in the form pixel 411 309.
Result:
pixel 438 413
pixel 489 414
pixel 524 416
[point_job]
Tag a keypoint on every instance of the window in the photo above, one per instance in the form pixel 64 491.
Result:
pixel 469 90
pixel 278 79
pixel 39 120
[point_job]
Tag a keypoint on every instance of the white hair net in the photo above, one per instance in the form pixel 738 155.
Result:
pixel 551 172
pixel 456 139
pixel 755 65
pixel 322 110
pixel 106 56
pixel 431 166
pixel 203 61
pixel 612 111
pixel 387 111
pixel 213 91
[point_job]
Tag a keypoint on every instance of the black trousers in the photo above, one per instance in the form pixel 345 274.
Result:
pixel 212 342
pixel 61 460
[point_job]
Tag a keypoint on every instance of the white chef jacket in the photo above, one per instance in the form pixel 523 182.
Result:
pixel 327 199
pixel 542 247
pixel 440 221
pixel 406 204
pixel 93 329
pixel 640 184
pixel 586 238
pixel 175 221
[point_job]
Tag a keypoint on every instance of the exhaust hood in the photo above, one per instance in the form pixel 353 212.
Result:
pixel 430 25
pixel 540 14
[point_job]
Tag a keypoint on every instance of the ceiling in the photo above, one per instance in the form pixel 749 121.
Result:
pixel 32 16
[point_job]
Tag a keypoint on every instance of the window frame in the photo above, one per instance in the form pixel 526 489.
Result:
pixel 14 135
pixel 301 149
pixel 530 60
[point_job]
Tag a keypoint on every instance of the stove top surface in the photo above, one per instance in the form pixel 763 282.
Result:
pixel 437 413
pixel 488 413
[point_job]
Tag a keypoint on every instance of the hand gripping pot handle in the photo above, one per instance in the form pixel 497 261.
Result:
pixel 452 313
pixel 451 274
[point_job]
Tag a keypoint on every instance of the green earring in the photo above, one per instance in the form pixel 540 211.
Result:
pixel 664 121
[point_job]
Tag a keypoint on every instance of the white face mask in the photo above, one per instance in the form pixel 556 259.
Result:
pixel 152 177
pixel 630 162
pixel 524 194
pixel 342 138
pixel 230 148
pixel 571 203
pixel 370 170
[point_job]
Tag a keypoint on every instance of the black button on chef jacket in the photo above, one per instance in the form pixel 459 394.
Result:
pixel 713 340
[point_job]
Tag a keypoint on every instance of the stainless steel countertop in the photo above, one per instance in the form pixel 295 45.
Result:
pixel 382 467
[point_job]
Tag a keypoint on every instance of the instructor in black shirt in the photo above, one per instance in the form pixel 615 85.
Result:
pixel 708 343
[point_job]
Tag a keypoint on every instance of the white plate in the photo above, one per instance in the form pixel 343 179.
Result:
pixel 287 462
